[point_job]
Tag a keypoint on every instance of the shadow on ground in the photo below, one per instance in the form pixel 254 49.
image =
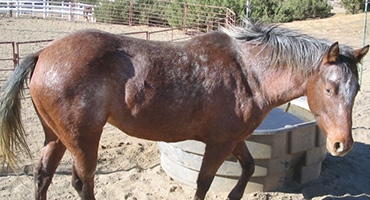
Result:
pixel 345 177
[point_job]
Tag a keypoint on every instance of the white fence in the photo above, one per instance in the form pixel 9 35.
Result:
pixel 46 8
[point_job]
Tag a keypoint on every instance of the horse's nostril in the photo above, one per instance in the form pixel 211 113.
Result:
pixel 338 147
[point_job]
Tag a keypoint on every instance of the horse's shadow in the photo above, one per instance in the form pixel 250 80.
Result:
pixel 341 177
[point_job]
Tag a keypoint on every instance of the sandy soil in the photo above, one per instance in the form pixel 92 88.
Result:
pixel 129 168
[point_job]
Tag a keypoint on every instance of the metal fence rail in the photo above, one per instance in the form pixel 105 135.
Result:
pixel 13 58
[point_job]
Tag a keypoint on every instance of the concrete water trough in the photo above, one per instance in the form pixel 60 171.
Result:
pixel 287 146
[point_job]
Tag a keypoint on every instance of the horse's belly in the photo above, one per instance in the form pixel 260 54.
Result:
pixel 185 124
pixel 156 129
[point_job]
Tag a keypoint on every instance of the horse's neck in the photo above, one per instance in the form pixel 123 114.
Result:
pixel 281 86
pixel 273 87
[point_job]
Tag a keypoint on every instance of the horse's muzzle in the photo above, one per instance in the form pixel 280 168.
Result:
pixel 339 148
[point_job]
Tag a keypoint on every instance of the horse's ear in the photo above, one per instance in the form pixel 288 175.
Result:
pixel 360 53
pixel 332 54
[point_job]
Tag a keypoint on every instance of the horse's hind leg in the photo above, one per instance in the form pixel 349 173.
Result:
pixel 85 154
pixel 51 154
pixel 214 156
pixel 83 171
pixel 246 160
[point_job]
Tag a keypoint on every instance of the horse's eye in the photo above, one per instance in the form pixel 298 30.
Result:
pixel 329 91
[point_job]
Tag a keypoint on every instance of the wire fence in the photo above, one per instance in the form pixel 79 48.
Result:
pixel 7 60
pixel 161 13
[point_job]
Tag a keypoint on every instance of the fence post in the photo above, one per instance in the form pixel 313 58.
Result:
pixel 62 13
pixel 131 12
pixel 71 10
pixel 15 55
pixel 93 19
pixel 44 9
pixel 185 16
pixel 69 6
pixel 364 38
pixel 11 5
pixel 33 8
pixel 17 10
pixel 227 18
pixel 248 10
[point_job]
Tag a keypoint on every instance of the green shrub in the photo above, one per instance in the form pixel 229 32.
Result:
pixel 265 10
pixel 289 10
pixel 113 12
pixel 353 6
pixel 175 13
pixel 154 14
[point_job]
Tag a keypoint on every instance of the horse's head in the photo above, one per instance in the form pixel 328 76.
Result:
pixel 331 93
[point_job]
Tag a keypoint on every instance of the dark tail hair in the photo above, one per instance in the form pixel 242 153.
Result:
pixel 12 134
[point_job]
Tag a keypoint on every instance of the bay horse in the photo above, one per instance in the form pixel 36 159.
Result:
pixel 215 88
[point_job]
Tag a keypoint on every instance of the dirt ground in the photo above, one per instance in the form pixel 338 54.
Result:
pixel 129 168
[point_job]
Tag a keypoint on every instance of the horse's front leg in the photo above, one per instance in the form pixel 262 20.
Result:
pixel 246 160
pixel 214 156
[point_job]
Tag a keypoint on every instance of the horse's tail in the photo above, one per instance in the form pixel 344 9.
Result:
pixel 12 133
